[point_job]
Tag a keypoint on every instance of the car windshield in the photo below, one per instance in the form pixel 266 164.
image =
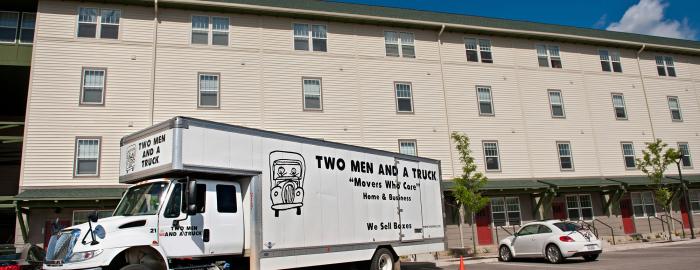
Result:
pixel 141 200
pixel 568 226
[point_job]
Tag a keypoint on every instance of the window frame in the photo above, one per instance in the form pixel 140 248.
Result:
pixel 506 211
pixel 580 207
pixel 320 94
pixel 400 44
pixel 610 60
pixel 498 155
pixel 478 100
pixel 549 56
pixel 82 87
pixel 235 199
pixel 75 156
pixel 396 97
pixel 309 36
pixel 570 156
pixel 694 199
pixel 624 105
pixel 17 26
pixel 666 68
pixel 98 23
pixel 21 27
pixel 478 49
pixel 192 30
pixel 644 204
pixel 411 141
pixel 551 105
pixel 690 155
pixel 218 90
pixel 670 110
pixel 210 30
pixel 625 155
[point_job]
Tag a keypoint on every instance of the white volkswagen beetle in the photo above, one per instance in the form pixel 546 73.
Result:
pixel 555 240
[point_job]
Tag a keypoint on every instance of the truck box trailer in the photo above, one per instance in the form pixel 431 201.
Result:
pixel 207 195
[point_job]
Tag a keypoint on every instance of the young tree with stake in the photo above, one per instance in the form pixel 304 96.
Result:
pixel 653 163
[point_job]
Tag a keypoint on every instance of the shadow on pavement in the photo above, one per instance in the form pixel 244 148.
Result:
pixel 418 266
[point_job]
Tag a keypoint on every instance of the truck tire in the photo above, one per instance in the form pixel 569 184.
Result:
pixel 383 259
pixel 135 267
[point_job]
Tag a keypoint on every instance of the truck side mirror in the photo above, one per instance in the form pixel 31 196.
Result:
pixel 191 197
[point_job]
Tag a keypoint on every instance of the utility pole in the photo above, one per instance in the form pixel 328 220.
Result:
pixel 686 197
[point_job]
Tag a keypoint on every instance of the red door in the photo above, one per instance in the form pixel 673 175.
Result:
pixel 558 210
pixel 684 214
pixel 483 226
pixel 50 228
pixel 626 212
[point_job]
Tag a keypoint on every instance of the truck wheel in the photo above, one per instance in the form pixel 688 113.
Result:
pixel 383 260
pixel 135 267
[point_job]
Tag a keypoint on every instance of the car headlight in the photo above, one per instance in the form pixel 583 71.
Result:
pixel 82 256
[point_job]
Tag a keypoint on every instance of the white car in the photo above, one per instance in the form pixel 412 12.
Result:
pixel 555 240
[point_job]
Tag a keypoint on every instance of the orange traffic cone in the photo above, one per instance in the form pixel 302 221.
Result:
pixel 461 263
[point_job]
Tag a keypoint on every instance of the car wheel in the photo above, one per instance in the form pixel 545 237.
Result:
pixel 383 260
pixel 590 258
pixel 504 254
pixel 135 267
pixel 553 254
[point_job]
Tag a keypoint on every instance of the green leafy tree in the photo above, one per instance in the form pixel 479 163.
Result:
pixel 655 159
pixel 467 189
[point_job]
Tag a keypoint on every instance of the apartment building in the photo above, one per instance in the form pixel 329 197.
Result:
pixel 556 115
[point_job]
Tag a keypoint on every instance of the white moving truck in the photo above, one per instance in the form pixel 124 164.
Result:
pixel 207 195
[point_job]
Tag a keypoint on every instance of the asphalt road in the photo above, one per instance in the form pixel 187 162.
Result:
pixel 676 257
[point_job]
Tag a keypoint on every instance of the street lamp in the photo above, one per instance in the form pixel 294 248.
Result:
pixel 686 196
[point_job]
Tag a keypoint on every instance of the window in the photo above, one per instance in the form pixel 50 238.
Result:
pixel 93 86
pixel 8 26
pixel 694 200
pixel 529 229
pixel 312 94
pixel 219 30
pixel 664 66
pixel 404 102
pixel 108 23
pixel 619 106
pixel 318 34
pixel 544 229
pixel 201 191
pixel 26 32
pixel 686 161
pixel 395 40
pixel 548 56
pixel 675 107
pixel 556 103
pixel 208 90
pixel 505 211
pixel 628 155
pixel 610 61
pixel 226 198
pixel 408 147
pixel 174 207
pixel 478 48
pixel 566 160
pixel 491 156
pixel 579 207
pixel 483 94
pixel 81 216
pixel 643 204
pixel 200 30
pixel 87 157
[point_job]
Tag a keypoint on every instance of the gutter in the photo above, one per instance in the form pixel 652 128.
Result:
pixel 429 24
pixel 644 90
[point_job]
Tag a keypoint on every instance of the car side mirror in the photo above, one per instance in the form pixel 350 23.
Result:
pixel 191 197
pixel 516 234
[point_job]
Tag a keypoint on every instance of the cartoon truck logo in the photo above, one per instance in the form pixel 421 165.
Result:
pixel 287 181
pixel 131 158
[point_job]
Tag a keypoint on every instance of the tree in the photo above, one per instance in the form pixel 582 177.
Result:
pixel 467 187
pixel 653 163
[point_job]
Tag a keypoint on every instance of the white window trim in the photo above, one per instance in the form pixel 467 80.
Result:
pixel 571 155
pixel 98 24
pixel 690 155
pixel 478 101
pixel 549 56
pixel 478 49
pixel 610 60
pixel 644 204
pixel 410 141
pixel 624 156
pixel 498 156
pixel 320 93
pixel 396 97
pixel 82 85
pixel 551 105
pixel 210 30
pixel 691 200
pixel 505 209
pixel 399 43
pixel 624 105
pixel 218 90
pixel 579 208
pixel 670 110
pixel 17 27
pixel 99 156
pixel 666 66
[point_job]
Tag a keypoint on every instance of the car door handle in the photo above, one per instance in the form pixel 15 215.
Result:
pixel 205 235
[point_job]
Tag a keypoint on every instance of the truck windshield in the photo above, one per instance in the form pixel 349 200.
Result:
pixel 141 200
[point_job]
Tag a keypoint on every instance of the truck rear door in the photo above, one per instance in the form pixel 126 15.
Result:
pixel 409 200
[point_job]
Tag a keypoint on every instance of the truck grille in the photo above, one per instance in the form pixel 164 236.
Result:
pixel 288 193
pixel 61 245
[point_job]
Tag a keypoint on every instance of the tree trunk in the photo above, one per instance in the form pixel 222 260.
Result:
pixel 668 223
pixel 471 213
pixel 461 221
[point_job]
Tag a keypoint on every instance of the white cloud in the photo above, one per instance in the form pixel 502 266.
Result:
pixel 647 17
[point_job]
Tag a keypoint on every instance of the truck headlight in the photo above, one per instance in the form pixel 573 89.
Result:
pixel 82 256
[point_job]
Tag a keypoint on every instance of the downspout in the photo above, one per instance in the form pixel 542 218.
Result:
pixel 153 59
pixel 444 97
pixel 644 90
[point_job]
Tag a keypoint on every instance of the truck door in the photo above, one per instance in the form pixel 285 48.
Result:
pixel 409 199
pixel 183 239
pixel 223 220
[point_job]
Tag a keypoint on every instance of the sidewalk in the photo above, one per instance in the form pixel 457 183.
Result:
pixel 607 248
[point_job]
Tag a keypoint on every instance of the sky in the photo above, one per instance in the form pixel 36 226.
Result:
pixel 667 18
